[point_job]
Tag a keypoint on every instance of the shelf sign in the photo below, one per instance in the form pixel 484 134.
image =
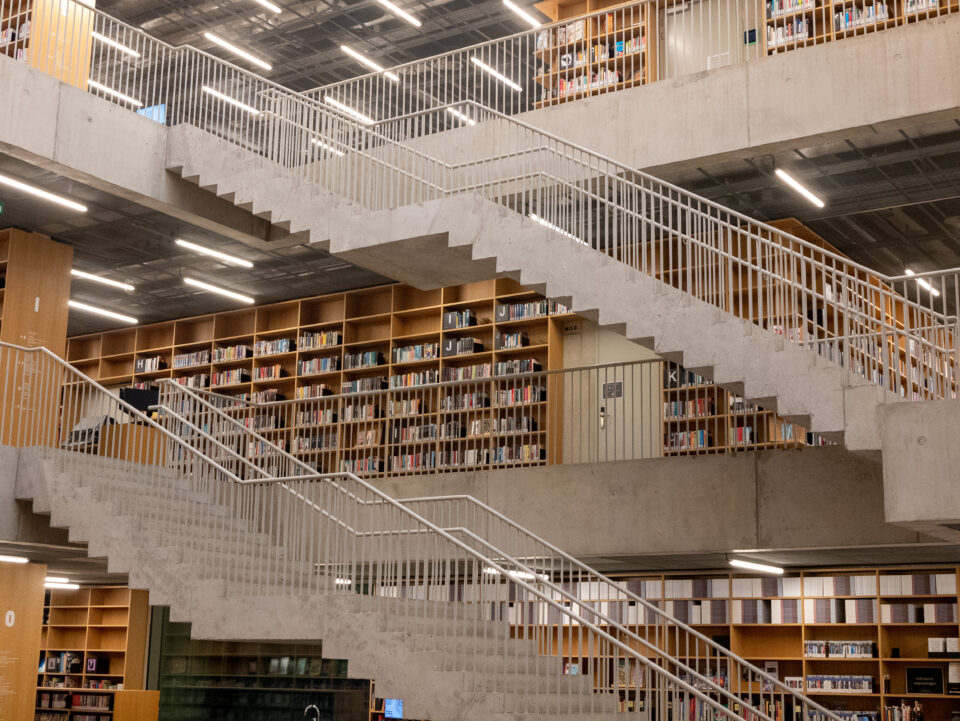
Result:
pixel 614 389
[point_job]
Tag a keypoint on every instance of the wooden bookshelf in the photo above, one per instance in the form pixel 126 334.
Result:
pixel 701 417
pixel 593 53
pixel 253 681
pixel 789 616
pixel 92 649
pixel 391 337
pixel 792 24
pixel 55 36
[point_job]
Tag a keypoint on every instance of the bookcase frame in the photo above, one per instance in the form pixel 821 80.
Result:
pixel 97 621
pixel 53 26
pixel 380 319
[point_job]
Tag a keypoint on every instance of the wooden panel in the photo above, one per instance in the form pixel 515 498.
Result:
pixel 37 290
pixel 21 620
pixel 137 627
pixel 133 442
pixel 136 705
pixel 61 40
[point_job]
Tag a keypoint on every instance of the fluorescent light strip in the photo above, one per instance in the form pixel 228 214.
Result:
pixel 924 284
pixel 363 60
pixel 226 258
pixel 551 226
pixel 327 147
pixel 237 51
pixel 343 582
pixel 498 75
pixel 226 98
pixel 13 559
pixel 348 110
pixel 115 93
pixel 222 291
pixel 63 586
pixel 522 13
pixel 101 311
pixel 795 184
pixel 114 44
pixel 56 579
pixel 400 13
pixel 761 567
pixel 522 575
pixel 96 278
pixel 463 116
pixel 38 192
pixel 269 6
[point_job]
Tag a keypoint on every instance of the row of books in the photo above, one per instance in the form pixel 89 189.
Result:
pixel 274 346
pixel 841 585
pixel 846 683
pixel 527 311
pixel 775 611
pixel 839 649
pixel 740 436
pixel 62 662
pixel 412 434
pixel 794 31
pixel 316 417
pixel 315 341
pixel 856 16
pixel 367 359
pixel 315 390
pixel 375 383
pixel 919 6
pixel 918 584
pixel 411 380
pixel 53 700
pixel 519 365
pixel 696 588
pixel 520 396
pixel 918 613
pixel 313 366
pixel 149 365
pixel 675 376
pixel 231 353
pixel 268 373
pixel 699 612
pixel 477 371
pixel 263 421
pixel 688 440
pixel 582 83
pixel 502 426
pixel 569 33
pixel 200 380
pixel 188 360
pixel 305 444
pixel 776 8
pixel 423 351
pixel 459 319
pixel 462 346
pixel 836 610
pixel 903 712
pixel 696 408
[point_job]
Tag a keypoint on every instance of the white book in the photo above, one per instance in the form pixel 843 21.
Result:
pixel 946 583
pixel 720 588
pixel 791 586
pixel 952 645
pixel 653 589
pixel 741 587
pixel 809 611
pixel 757 587
pixel 936 645
pixel 776 612
pixel 929 613
pixel 850 610
pixel 736 611
pixel 812 586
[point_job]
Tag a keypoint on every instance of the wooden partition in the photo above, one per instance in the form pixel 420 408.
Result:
pixel 21 615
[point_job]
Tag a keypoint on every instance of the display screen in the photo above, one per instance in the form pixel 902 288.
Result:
pixel 393 708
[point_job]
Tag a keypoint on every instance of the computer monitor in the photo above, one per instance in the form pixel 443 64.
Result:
pixel 393 708
pixel 140 398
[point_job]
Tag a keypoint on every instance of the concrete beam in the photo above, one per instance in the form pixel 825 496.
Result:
pixel 69 132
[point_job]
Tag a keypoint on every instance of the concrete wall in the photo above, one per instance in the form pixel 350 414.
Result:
pixel 18 522
pixel 807 498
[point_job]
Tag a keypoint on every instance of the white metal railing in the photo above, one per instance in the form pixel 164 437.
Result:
pixel 901 333
pixel 463 573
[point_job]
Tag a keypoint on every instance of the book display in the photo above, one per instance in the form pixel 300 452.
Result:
pixel 251 681
pixel 701 417
pixel 594 51
pixel 354 374
pixel 792 24
pixel 92 649
pixel 817 631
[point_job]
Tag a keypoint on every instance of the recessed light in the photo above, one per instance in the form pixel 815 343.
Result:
pixel 522 13
pixel 102 311
pixel 343 582
pixel 797 186
pixel 367 62
pixel 761 567
pixel 400 13
pixel 216 289
pixel 14 559
pixel 227 99
pixel 240 53
pixel 114 44
pixel 40 193
pixel 348 110
pixel 99 279
pixel 496 73
pixel 225 257
pixel 924 284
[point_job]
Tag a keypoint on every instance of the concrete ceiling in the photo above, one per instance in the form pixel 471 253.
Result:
pixel 303 42
pixel 891 202
pixel 128 242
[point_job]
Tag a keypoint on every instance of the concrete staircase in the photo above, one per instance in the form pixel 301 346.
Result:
pixel 460 238
pixel 414 650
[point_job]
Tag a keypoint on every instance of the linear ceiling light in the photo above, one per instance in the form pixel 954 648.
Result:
pixel 348 110
pixel 56 579
pixel 237 51
pixel 462 116
pixel 522 13
pixel 40 193
pixel 498 75
pixel 761 567
pixel 13 559
pixel 924 284
pixel 363 60
pixel 557 228
pixel 215 289
pixel 114 44
pixel 101 311
pixel 63 586
pixel 269 6
pixel 400 13
pixel 329 148
pixel 96 278
pixel 115 93
pixel 522 575
pixel 227 99
pixel 795 184
pixel 343 582
pixel 226 258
